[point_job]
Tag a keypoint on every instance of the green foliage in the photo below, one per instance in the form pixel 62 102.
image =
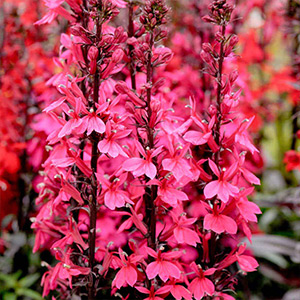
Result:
pixel 14 286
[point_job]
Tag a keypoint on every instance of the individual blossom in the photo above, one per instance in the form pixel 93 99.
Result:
pixel 200 285
pixel 142 166
pixel 163 265
pixel 128 272
pixel 218 222
pixel 154 294
pixel 114 196
pixel 221 187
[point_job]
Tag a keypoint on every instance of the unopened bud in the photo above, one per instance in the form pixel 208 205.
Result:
pixel 117 56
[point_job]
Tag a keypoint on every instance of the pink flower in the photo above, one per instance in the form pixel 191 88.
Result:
pixel 113 196
pixel 142 166
pixel 168 193
pixel 92 120
pixel 182 233
pixel 219 223
pixel 177 164
pixel 204 136
pixel 153 294
pixel 242 136
pixel 72 191
pixel 128 271
pixel 247 209
pixel 180 292
pixel 62 271
pixel 249 176
pixel 134 218
pixel 201 286
pixel 72 236
pixel 162 266
pixel 73 158
pixel 221 187
pixel 246 262
pixel 122 88
pixel 109 144
pixel 75 123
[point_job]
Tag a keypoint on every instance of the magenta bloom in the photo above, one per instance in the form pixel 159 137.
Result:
pixel 182 233
pixel 109 145
pixel 180 292
pixel 221 187
pixel 201 286
pixel 63 271
pixel 204 135
pixel 162 266
pixel 177 164
pixel 246 262
pixel 219 223
pixel 168 193
pixel 113 195
pixel 153 295
pixel 142 166
pixel 128 271
pixel 247 209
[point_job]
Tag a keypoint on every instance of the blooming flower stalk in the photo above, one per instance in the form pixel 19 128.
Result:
pixel 140 199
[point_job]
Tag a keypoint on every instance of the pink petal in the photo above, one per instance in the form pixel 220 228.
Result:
pixel 104 146
pixel 250 177
pixel 152 269
pixel 142 290
pixel 196 137
pixel 196 289
pixel 172 269
pixel 120 278
pixel 229 224
pixel 219 223
pixel 150 170
pixel 211 189
pixel 163 290
pixel 133 164
pixel 95 124
pixel 110 200
pixel 223 192
pixel 247 263
pixel 214 167
pixel 168 164
pixel 131 275
pixel 179 292
pixel 207 286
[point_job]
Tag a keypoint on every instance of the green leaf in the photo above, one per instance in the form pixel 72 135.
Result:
pixel 29 293
pixel 29 280
pixel 9 296
pixel 10 280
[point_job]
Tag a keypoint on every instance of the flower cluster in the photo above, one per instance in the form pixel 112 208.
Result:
pixel 140 199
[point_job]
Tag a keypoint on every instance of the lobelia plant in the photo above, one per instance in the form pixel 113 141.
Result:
pixel 138 201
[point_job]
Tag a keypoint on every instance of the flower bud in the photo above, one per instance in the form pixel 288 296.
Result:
pixel 233 76
pixel 92 55
pixel 117 56
pixel 207 47
pixel 233 41
pixel 122 88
